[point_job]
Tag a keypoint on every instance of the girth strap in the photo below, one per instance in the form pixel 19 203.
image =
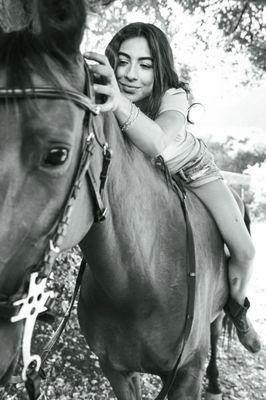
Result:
pixel 191 284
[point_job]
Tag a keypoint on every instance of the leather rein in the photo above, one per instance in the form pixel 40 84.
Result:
pixel 32 300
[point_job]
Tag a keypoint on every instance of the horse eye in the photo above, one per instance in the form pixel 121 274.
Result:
pixel 56 156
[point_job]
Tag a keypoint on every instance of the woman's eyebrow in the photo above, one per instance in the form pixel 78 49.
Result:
pixel 121 53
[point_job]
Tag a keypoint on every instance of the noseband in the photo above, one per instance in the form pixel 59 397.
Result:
pixel 32 299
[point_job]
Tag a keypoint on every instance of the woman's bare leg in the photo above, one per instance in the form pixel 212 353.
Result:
pixel 219 200
pixel 221 203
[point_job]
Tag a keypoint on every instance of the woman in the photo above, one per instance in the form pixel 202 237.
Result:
pixel 150 103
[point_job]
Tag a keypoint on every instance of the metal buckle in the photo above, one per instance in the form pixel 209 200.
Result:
pixel 53 248
pixel 101 215
pixel 90 138
pixel 31 307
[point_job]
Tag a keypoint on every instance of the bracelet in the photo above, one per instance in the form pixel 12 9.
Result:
pixel 131 119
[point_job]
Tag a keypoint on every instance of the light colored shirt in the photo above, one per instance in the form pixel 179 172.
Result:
pixel 185 146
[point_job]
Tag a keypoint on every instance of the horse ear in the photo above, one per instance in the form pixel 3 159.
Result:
pixel 60 23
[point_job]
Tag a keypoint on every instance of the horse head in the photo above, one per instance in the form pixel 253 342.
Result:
pixel 45 148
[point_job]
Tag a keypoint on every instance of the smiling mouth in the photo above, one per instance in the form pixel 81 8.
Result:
pixel 128 87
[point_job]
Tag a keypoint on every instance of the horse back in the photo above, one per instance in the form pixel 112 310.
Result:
pixel 132 308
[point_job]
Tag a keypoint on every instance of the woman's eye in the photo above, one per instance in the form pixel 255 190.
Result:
pixel 122 62
pixel 146 66
pixel 56 156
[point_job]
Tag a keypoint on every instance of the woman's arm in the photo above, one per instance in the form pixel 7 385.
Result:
pixel 151 137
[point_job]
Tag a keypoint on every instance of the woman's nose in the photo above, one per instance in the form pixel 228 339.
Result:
pixel 131 73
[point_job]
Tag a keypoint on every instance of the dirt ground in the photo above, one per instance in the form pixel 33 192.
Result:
pixel 73 372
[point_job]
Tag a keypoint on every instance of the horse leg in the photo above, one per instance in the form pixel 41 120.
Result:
pixel 126 385
pixel 213 391
pixel 188 381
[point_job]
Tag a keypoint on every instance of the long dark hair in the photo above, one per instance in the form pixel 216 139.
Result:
pixel 165 76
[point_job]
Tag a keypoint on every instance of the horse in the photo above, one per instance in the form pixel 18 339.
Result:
pixel 133 299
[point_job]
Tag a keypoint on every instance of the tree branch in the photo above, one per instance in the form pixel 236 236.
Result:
pixel 241 16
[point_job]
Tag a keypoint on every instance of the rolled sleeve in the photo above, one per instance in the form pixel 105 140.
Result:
pixel 174 100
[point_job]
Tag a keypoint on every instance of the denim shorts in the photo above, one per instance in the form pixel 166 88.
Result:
pixel 200 170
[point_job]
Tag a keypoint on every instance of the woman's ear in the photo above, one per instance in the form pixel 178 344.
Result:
pixel 60 24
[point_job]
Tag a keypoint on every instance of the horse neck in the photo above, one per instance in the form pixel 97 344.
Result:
pixel 136 197
pixel 133 181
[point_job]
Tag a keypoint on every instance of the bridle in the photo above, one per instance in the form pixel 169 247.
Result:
pixel 32 299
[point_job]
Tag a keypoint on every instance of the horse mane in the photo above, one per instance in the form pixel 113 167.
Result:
pixel 56 30
pixel 19 51
pixel 62 25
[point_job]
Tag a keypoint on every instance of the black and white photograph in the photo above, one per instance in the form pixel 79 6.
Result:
pixel 132 200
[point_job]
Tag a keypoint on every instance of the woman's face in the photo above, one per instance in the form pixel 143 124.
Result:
pixel 134 73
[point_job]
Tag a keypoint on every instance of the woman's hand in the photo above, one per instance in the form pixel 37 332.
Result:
pixel 110 89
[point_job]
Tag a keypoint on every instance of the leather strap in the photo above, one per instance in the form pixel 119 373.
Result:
pixel 7 309
pixel 79 99
pixel 191 284
pixel 107 156
pixel 64 321
pixel 100 211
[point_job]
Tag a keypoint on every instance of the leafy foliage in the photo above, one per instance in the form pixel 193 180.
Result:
pixel 237 155
pixel 245 156
pixel 240 21
pixel 258 189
